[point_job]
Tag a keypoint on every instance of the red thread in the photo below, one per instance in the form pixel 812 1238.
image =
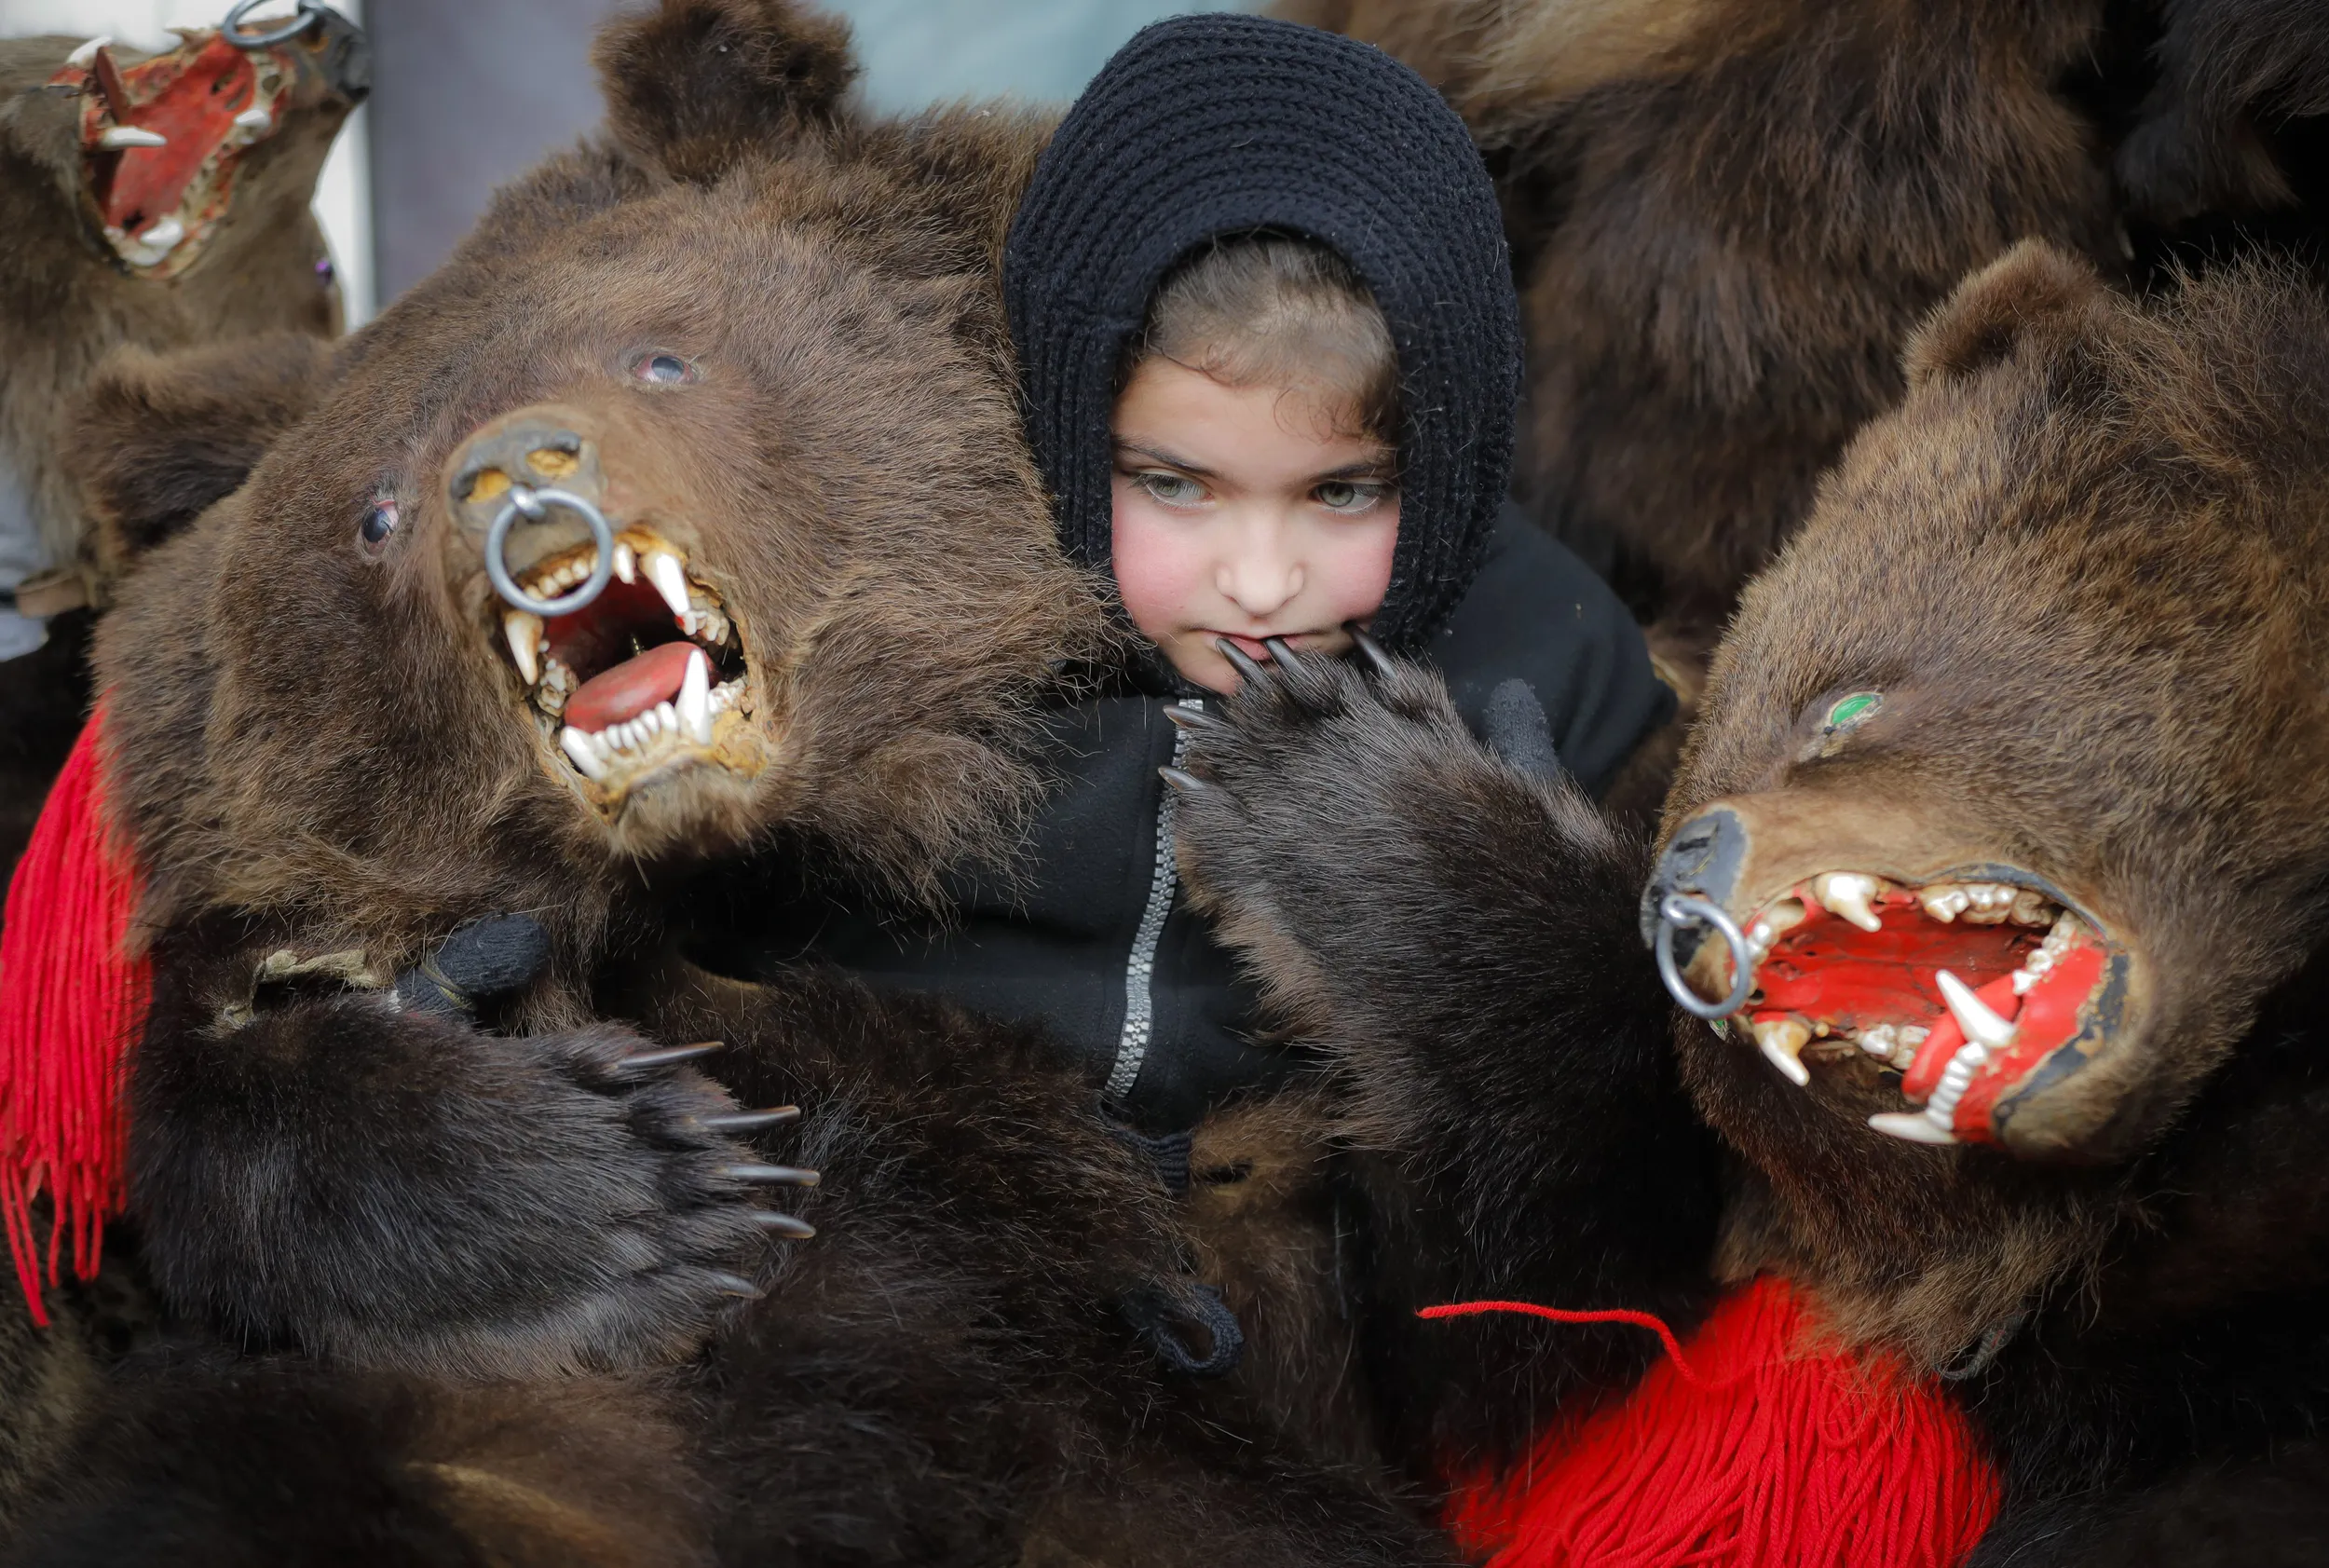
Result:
pixel 1562 1314
pixel 72 999
pixel 1767 1453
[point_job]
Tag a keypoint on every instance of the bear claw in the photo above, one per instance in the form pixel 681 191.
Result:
pixel 647 1059
pixel 747 1121
pixel 786 1225
pixel 775 1176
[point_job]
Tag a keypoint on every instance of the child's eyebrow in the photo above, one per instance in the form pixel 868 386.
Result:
pixel 1368 468
pixel 1157 454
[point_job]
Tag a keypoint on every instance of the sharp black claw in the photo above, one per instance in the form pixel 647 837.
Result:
pixel 1196 720
pixel 1183 781
pixel 737 1285
pixel 1371 648
pixel 1281 651
pixel 784 1225
pixel 677 1054
pixel 1239 660
pixel 747 1121
pixel 775 1176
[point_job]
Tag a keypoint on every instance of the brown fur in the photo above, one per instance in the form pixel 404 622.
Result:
pixel 2149 489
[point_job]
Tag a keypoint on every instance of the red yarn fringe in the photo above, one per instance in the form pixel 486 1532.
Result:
pixel 72 1000
pixel 1756 1451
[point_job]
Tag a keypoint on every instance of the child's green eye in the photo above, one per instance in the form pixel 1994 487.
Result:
pixel 1348 495
pixel 1170 489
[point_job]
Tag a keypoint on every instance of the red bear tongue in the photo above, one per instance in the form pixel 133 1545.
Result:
pixel 630 689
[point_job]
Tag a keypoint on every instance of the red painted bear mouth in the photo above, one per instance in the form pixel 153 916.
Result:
pixel 648 678
pixel 163 140
pixel 1972 990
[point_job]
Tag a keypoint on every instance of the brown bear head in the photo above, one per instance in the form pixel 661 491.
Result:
pixel 762 342
pixel 159 200
pixel 2013 777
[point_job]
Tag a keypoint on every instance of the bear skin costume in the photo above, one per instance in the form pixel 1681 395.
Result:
pixel 82 273
pixel 763 336
pixel 2036 696
pixel 1726 216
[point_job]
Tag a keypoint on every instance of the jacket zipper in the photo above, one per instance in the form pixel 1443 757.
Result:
pixel 1132 1045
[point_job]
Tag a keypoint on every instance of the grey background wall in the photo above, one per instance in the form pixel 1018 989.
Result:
pixel 468 92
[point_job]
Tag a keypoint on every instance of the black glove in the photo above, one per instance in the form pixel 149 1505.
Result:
pixel 1517 729
pixel 485 958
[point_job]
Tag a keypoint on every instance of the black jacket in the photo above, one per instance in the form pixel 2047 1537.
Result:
pixel 1102 946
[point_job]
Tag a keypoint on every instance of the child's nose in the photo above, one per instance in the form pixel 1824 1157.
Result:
pixel 1264 575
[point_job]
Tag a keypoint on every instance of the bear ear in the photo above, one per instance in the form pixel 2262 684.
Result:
pixel 695 86
pixel 152 440
pixel 2031 293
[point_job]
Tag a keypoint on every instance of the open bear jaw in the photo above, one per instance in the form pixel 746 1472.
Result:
pixel 614 709
pixel 163 140
pixel 1975 986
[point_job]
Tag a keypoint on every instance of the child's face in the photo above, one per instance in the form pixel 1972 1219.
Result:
pixel 1239 514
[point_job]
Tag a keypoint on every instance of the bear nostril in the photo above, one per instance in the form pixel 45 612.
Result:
pixel 556 460
pixel 480 484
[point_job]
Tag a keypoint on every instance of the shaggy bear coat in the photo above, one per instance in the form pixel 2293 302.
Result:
pixel 762 336
pixel 2079 569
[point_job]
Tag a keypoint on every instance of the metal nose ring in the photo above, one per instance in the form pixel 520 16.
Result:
pixel 231 29
pixel 533 505
pixel 1679 910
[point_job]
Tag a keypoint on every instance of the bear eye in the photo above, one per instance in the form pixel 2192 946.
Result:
pixel 326 272
pixel 379 524
pixel 660 367
pixel 1845 715
pixel 1851 712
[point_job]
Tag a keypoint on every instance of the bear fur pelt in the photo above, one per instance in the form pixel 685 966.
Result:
pixel 78 278
pixel 762 336
pixel 2036 695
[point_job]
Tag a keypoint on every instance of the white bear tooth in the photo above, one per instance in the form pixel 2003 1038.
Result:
pixel 254 120
pixel 666 718
pixel 1782 1042
pixel 577 746
pixel 626 561
pixel 1981 1027
pixel 670 581
pixel 1910 1125
pixel 1847 893
pixel 122 136
pixel 695 699
pixel 525 632
pixel 82 58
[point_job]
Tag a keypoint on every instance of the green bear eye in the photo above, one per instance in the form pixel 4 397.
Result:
pixel 1850 711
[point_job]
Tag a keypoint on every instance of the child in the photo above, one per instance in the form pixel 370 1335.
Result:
pixel 1270 354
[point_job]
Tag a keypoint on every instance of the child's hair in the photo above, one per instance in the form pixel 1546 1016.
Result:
pixel 1274 309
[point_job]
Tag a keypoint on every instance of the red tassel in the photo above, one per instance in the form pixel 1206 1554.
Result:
pixel 72 1000
pixel 1754 1452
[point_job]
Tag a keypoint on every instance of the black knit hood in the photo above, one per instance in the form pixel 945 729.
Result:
pixel 1211 125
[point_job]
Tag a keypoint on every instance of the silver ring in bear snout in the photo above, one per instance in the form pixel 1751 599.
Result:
pixel 531 505
pixel 1679 910
pixel 231 29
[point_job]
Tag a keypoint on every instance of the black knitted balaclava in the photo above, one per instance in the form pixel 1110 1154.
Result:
pixel 1211 125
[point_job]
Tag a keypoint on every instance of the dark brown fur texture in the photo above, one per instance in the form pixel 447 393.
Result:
pixel 324 749
pixel 2223 129
pixel 2080 564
